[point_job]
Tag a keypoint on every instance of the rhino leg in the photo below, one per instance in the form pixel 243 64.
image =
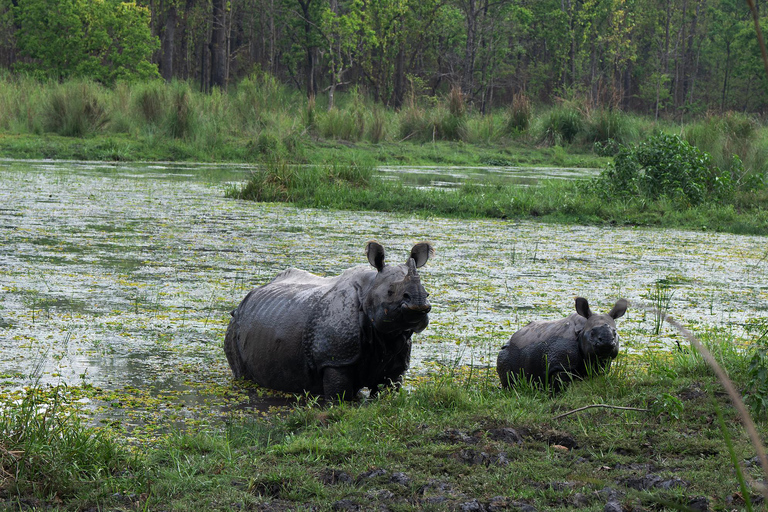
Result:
pixel 338 384
pixel 232 350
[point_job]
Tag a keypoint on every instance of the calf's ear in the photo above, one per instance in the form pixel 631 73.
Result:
pixel 582 307
pixel 375 252
pixel 421 253
pixel 619 309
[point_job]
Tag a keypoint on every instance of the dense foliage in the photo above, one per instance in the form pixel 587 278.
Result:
pixel 106 41
pixel 672 58
pixel 666 165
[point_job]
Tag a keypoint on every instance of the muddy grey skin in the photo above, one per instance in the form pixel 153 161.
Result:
pixel 558 351
pixel 331 336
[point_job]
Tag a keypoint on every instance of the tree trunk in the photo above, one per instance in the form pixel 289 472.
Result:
pixel 310 64
pixel 219 45
pixel 725 79
pixel 168 44
pixel 469 51
pixel 398 94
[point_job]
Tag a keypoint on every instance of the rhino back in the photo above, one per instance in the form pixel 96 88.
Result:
pixel 271 322
pixel 542 348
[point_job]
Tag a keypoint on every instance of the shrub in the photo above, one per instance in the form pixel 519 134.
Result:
pixel 666 165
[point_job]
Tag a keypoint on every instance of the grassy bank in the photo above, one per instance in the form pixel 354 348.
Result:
pixel 260 121
pixel 260 117
pixel 455 442
pixel 355 187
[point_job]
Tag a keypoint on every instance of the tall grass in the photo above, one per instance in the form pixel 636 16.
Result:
pixel 76 109
pixel 47 450
pixel 185 123
pixel 732 134
pixel 520 113
pixel 560 124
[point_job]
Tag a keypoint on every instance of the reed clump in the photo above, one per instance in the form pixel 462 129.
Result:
pixel 520 113
pixel 76 109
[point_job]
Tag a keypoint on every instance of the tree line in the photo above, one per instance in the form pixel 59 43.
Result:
pixel 659 57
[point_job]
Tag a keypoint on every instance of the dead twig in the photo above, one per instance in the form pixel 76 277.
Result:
pixel 604 406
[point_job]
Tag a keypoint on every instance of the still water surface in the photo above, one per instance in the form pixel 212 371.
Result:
pixel 122 276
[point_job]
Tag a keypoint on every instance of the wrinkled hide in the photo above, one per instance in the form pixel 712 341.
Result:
pixel 331 336
pixel 555 352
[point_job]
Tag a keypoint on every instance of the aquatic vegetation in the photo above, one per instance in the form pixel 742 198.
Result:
pixel 126 274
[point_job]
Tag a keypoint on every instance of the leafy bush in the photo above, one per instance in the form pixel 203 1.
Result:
pixel 666 165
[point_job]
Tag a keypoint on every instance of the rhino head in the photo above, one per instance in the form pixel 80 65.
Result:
pixel 395 299
pixel 598 339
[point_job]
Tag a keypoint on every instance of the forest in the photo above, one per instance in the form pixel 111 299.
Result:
pixel 674 58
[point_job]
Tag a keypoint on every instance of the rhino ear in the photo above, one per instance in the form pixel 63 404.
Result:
pixel 582 307
pixel 421 253
pixel 619 309
pixel 375 252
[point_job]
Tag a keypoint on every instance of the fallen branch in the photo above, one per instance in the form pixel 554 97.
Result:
pixel 605 406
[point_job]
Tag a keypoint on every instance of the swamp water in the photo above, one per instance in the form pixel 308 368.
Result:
pixel 117 280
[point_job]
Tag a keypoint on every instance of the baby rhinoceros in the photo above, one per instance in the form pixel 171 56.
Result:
pixel 331 336
pixel 555 352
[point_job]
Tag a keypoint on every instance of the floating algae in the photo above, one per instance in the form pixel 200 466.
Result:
pixel 121 277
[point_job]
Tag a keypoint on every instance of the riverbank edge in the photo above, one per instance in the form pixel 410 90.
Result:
pixel 309 150
pixel 561 204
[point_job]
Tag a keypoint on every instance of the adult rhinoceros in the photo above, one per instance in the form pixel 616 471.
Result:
pixel 331 335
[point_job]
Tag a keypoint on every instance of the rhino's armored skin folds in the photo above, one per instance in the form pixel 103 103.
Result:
pixel 331 336
pixel 557 351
